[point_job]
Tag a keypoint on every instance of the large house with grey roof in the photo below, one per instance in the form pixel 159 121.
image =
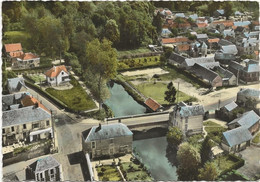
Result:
pixel 44 169
pixel 107 140
pixel 241 133
pixel 187 118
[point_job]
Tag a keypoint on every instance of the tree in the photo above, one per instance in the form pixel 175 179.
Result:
pixel 157 22
pixel 174 136
pixel 174 32
pixel 111 31
pixel 189 161
pixel 227 6
pixel 102 59
pixel 170 93
pixel 205 150
pixel 209 172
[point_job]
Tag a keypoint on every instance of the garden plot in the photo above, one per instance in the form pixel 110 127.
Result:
pixel 149 72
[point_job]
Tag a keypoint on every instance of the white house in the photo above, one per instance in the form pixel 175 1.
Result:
pixel 188 118
pixel 57 75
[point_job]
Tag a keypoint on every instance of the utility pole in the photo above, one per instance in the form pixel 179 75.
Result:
pixel 178 93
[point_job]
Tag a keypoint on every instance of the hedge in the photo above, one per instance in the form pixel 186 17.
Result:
pixel 28 78
pixel 240 162
pixel 139 68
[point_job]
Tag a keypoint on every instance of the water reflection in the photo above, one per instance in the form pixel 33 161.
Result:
pixel 121 103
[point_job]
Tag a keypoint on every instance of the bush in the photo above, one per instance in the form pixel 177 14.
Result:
pixel 240 162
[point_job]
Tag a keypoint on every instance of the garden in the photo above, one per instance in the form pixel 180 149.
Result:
pixel 156 91
pixel 256 139
pixel 134 171
pixel 108 173
pixel 214 131
pixel 38 78
pixel 123 53
pixel 75 98
pixel 139 62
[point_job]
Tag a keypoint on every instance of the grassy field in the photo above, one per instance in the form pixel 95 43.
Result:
pixel 139 62
pixel 134 172
pixel 75 98
pixel 214 131
pixel 156 91
pixel 38 78
pixel 108 173
pixel 133 51
pixel 257 138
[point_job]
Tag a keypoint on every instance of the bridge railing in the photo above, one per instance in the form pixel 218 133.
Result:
pixel 137 115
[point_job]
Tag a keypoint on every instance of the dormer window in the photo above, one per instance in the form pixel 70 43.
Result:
pixel 62 73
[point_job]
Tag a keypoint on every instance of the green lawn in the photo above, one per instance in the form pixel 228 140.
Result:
pixel 75 98
pixel 139 62
pixel 108 173
pixel 133 51
pixel 156 91
pixel 134 172
pixel 38 78
pixel 257 138
pixel 214 131
pixel 224 162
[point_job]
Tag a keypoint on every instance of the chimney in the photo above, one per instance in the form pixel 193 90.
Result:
pixel 98 128
pixel 36 105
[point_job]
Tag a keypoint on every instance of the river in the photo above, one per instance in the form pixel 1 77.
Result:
pixel 121 103
pixel 158 158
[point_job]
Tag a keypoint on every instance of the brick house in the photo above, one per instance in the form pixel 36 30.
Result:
pixel 107 140
pixel 187 118
pixel 13 51
pixel 44 169
pixel 57 75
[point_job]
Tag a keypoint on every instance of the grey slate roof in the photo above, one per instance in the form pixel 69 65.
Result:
pixel 182 15
pixel 194 16
pixel 177 58
pixel 187 111
pixel 203 72
pixel 231 106
pixel 237 136
pixel 247 120
pixel 224 42
pixel 229 49
pixel 15 84
pixel 224 56
pixel 220 11
pixel 249 92
pixel 191 61
pixel 242 23
pixel 24 115
pixel 235 65
pixel 224 73
pixel 44 164
pixel 210 65
pixel 11 99
pixel 202 36
pixel 251 68
pixel 106 132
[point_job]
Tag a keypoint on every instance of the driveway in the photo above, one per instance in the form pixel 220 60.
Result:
pixel 251 155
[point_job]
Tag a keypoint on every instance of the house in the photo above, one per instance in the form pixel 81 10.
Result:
pixel 249 120
pixel 229 33
pixel 13 101
pixel 182 48
pixel 26 124
pixel 218 12
pixel 165 32
pixel 253 34
pixel 224 58
pixel 221 25
pixel 152 104
pixel 236 139
pixel 248 73
pixel 225 113
pixel 180 15
pixel 57 75
pixel 238 13
pixel 194 17
pixel 247 46
pixel 213 43
pixel 201 25
pixel 16 85
pixel 107 140
pixel 248 94
pixel 174 41
pixel 26 60
pixel 202 37
pixel 228 78
pixel 187 118
pixel 207 75
pixel 242 23
pixel 44 169
pixel 13 51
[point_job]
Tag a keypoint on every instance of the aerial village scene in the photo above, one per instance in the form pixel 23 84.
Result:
pixel 130 91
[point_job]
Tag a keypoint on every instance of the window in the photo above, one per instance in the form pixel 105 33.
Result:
pixel 12 128
pixel 24 126
pixel 52 171
pixel 62 73
pixel 3 131
pixel 35 125
pixel 47 122
pixel 51 79
pixel 93 145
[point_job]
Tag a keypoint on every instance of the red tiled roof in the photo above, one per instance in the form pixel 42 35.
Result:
pixel 55 71
pixel 152 104
pixel 255 22
pixel 30 101
pixel 13 47
pixel 226 23
pixel 183 47
pixel 174 40
pixel 202 25
pixel 213 40
pixel 27 56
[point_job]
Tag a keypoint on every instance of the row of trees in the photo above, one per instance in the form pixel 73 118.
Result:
pixel 193 164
